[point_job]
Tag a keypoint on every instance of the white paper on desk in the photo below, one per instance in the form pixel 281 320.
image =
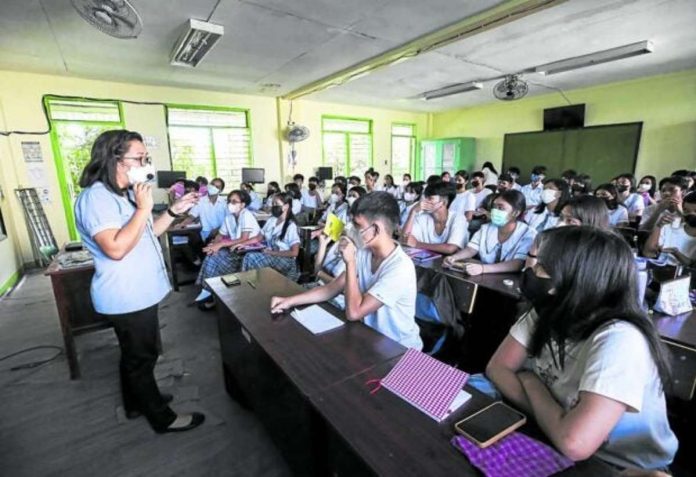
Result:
pixel 316 319
pixel 458 402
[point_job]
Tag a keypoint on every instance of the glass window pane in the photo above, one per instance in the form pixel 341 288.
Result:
pixel 402 130
pixel 430 165
pixel 191 151
pixel 202 117
pixel 402 154
pixel 360 152
pixel 231 154
pixel 335 152
pixel 68 110
pixel 75 144
pixel 346 125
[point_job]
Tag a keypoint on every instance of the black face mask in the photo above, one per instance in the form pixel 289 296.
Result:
pixel 690 220
pixel 622 188
pixel 276 210
pixel 312 186
pixel 475 183
pixel 460 186
pixel 611 203
pixel 535 289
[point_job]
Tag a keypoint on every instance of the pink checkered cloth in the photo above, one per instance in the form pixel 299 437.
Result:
pixel 515 455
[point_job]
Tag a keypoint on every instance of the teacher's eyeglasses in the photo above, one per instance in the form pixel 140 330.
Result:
pixel 143 160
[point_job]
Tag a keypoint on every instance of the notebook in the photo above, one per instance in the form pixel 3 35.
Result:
pixel 429 385
pixel 252 247
pixel 421 255
pixel 316 319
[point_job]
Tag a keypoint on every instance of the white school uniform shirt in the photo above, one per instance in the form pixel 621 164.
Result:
pixel 210 215
pixel 233 227
pixel 312 202
pixel 542 221
pixel 296 206
pixel 679 239
pixel 333 263
pixel 394 285
pixel 139 280
pixel 517 187
pixel 464 202
pixel 635 204
pixel 405 211
pixel 532 195
pixel 490 178
pixel 455 232
pixel 642 437
pixel 647 213
pixel 340 211
pixel 256 201
pixel 271 234
pixel 618 215
pixel 393 190
pixel 480 196
pixel 516 247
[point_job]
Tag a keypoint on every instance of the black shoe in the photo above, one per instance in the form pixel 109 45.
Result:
pixel 134 414
pixel 196 420
pixel 207 304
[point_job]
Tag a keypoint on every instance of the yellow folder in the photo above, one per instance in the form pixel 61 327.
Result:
pixel 334 227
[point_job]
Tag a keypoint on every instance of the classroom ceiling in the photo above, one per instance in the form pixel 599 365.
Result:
pixel 272 47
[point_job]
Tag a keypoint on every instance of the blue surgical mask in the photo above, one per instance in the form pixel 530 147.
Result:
pixel 535 177
pixel 499 217
pixel 212 190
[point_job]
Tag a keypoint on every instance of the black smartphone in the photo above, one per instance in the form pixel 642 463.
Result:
pixel 490 424
pixel 230 280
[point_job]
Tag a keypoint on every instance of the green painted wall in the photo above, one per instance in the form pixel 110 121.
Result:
pixel 666 104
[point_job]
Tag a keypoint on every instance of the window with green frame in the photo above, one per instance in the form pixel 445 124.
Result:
pixel 210 142
pixel 75 124
pixel 346 144
pixel 403 148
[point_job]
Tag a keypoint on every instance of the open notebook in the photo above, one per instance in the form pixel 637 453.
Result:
pixel 316 319
pixel 428 384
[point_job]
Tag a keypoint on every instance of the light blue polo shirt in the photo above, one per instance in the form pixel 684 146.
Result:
pixel 137 281
pixel 211 215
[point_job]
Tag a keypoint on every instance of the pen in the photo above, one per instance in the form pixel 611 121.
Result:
pixel 251 284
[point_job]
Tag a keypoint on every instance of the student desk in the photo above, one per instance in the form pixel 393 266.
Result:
pixel 71 289
pixel 679 334
pixel 261 217
pixel 168 246
pixel 309 390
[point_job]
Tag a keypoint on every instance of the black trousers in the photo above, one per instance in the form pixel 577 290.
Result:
pixel 138 337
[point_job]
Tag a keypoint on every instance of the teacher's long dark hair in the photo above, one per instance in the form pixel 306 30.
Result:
pixel 107 150
pixel 594 277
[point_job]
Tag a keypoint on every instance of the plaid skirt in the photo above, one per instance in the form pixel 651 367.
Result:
pixel 284 265
pixel 221 263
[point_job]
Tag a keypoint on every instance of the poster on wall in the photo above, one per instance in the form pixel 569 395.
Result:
pixel 31 150
pixel 36 176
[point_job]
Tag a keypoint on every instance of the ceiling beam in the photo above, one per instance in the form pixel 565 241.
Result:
pixel 492 18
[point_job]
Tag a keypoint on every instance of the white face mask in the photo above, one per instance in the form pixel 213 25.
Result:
pixel 644 187
pixel 350 200
pixel 234 208
pixel 143 174
pixel 405 182
pixel 212 190
pixel 333 198
pixel 548 196
pixel 409 196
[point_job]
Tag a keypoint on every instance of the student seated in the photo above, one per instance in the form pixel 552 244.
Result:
pixel 202 185
pixel 647 188
pixel 478 188
pixel 256 202
pixel 582 185
pixel 490 174
pixel 311 198
pixel 271 189
pixel 390 187
pixel 282 240
pixel 465 200
pixel 501 245
pixel 294 190
pixel 626 188
pixel 353 181
pixel 584 210
pixel 594 383
pixel 371 180
pixel 379 283
pixel 210 211
pixel 337 206
pixel 354 193
pixel 432 226
pixel 674 237
pixel 412 195
pixel 554 196
pixel 405 181
pixel 618 214
pixel 514 173
pixel 239 228
pixel 532 191
pixel 672 191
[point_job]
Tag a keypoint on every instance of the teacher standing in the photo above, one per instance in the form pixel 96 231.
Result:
pixel 114 218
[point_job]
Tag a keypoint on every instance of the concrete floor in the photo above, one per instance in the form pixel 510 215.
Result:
pixel 50 425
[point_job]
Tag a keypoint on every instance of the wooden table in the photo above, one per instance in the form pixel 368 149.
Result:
pixel 71 289
pixel 309 390
pixel 168 246
pixel 679 334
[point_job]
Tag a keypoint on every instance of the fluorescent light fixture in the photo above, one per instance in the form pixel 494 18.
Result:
pixel 195 43
pixel 452 89
pixel 613 54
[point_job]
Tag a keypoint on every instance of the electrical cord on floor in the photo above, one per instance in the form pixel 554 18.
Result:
pixel 33 364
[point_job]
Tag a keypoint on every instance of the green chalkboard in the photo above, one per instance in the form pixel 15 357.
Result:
pixel 603 152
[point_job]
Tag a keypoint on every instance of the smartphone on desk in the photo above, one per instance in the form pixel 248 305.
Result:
pixel 490 424
pixel 230 280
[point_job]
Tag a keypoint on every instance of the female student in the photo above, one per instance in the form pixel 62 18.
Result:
pixel 618 214
pixel 375 265
pixel 580 388
pixel 405 180
pixel 647 187
pixel 674 237
pixel 412 195
pixel 625 186
pixel 464 202
pixel 256 202
pixel 239 228
pixel 271 189
pixel 502 245
pixel 478 188
pixel 582 185
pixel 432 226
pixel 532 191
pixel 280 235
pixel 354 194
pixel 490 174
pixel 390 187
pixel 338 206
pixel 114 218
pixel 554 196
pixel 584 210
pixel 294 190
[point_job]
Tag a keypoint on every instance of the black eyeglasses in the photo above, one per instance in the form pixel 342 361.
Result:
pixel 144 160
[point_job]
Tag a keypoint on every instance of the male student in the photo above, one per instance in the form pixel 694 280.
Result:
pixel 532 191
pixel 379 282
pixel 210 210
pixel 311 198
pixel 672 191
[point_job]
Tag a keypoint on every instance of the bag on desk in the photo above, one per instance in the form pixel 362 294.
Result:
pixel 674 297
